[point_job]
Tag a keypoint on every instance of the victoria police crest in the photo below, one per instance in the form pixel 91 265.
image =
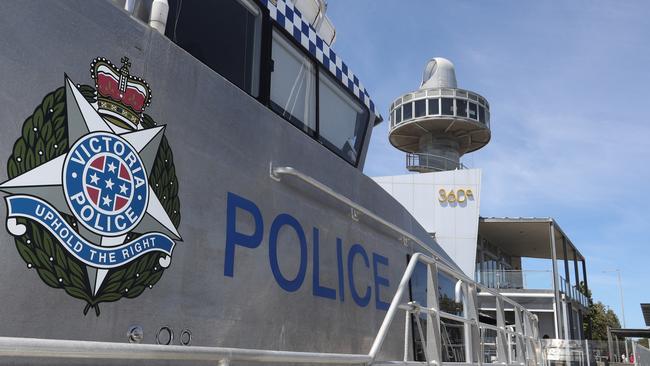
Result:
pixel 93 196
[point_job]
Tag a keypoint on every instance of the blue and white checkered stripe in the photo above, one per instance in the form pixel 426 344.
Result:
pixel 289 18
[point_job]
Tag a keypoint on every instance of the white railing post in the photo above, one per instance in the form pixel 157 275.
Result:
pixel 471 309
pixel 407 335
pixel 394 306
pixel 434 341
pixel 502 339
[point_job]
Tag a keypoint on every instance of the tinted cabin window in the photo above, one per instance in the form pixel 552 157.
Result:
pixel 223 34
pixel 342 121
pixel 408 110
pixel 434 107
pixel 472 111
pixel 481 114
pixel 461 107
pixel 420 108
pixel 448 106
pixel 293 85
pixel 447 295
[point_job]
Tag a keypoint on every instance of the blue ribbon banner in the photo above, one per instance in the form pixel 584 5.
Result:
pixel 91 254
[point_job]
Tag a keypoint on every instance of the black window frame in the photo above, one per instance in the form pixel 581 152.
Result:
pixel 265 74
pixel 407 115
pixel 268 26
pixel 445 100
pixel 469 110
pixel 312 132
pixel 433 102
pixel 263 86
pixel 461 112
pixel 423 103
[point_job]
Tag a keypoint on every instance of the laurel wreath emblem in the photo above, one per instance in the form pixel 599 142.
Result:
pixel 44 137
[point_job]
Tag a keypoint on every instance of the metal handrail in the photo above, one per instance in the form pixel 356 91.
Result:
pixel 277 172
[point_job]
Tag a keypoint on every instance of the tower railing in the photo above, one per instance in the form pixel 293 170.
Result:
pixel 424 163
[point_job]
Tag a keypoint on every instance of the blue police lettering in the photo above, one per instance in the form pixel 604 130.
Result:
pixel 280 221
pixel 249 234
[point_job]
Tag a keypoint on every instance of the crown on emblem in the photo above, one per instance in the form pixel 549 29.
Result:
pixel 121 98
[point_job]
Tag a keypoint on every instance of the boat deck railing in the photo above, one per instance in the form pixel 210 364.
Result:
pixel 515 344
pixel 510 345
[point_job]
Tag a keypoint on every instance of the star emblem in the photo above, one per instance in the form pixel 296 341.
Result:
pixel 109 181
pixel 46 181
pixel 111 167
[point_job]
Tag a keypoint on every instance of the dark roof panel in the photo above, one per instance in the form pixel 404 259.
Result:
pixel 645 309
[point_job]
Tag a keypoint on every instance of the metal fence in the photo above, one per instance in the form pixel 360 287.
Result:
pixel 529 280
pixel 573 292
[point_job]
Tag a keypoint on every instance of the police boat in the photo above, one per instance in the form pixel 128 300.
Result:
pixel 182 184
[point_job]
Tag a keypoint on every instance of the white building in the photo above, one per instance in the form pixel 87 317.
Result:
pixel 435 125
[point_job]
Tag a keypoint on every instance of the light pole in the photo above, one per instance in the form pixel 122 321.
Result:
pixel 620 289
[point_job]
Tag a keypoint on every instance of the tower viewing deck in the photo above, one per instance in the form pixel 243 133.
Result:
pixel 439 122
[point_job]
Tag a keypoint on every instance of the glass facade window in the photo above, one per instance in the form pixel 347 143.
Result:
pixel 342 121
pixel 398 115
pixel 210 30
pixel 461 107
pixel 481 113
pixel 418 287
pixel 489 342
pixel 293 85
pixel 447 295
pixel 419 284
pixel 408 111
pixel 420 108
pixel 447 106
pixel 472 110
pixel 434 106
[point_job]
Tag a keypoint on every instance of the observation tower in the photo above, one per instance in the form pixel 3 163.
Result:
pixel 438 123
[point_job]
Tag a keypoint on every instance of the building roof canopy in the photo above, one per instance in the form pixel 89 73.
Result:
pixel 527 237
pixel 630 333
pixel 645 309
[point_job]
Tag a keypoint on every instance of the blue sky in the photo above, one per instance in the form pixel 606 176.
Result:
pixel 568 84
